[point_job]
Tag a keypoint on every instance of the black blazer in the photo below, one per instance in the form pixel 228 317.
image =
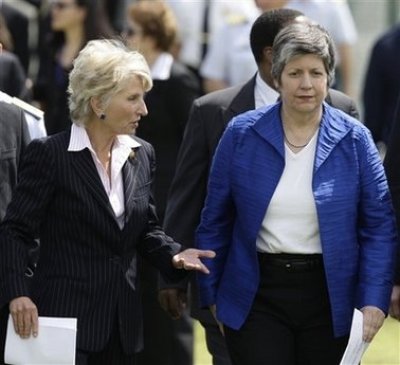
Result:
pixel 168 104
pixel 14 137
pixel 209 116
pixel 87 265
pixel 392 168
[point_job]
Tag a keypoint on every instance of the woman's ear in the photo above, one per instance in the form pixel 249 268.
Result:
pixel 97 106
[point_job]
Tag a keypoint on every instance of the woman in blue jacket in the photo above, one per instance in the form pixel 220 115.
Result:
pixel 299 214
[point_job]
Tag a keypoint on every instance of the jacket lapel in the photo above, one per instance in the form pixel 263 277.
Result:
pixel 333 128
pixel 85 168
pixel 243 102
pixel 269 127
pixel 130 175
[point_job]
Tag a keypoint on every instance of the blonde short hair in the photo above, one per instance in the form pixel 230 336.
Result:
pixel 101 70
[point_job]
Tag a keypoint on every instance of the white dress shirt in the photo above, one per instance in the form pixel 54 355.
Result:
pixel 263 93
pixel 113 185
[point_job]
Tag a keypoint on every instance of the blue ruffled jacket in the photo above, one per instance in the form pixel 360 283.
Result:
pixel 355 214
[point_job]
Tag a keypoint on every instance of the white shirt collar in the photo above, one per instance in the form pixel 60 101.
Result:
pixel 161 69
pixel 79 140
pixel 263 93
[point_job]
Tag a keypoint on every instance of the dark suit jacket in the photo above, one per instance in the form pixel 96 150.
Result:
pixel 209 116
pixel 87 265
pixel 168 104
pixel 14 137
pixel 382 85
pixel 392 168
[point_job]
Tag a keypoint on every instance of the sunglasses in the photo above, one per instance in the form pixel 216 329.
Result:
pixel 59 5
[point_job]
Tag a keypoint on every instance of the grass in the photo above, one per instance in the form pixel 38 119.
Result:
pixel 384 350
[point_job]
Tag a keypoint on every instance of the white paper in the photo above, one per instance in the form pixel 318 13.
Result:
pixel 55 343
pixel 356 346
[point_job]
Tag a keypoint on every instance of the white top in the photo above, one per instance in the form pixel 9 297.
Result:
pixel 33 116
pixel 113 186
pixel 263 93
pixel 290 224
pixel 229 57
pixel 190 17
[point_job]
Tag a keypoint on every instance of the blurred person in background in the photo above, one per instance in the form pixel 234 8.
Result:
pixel 13 80
pixel 382 86
pixel 392 164
pixel 18 25
pixel 153 31
pixel 226 66
pixel 73 23
pixel 199 21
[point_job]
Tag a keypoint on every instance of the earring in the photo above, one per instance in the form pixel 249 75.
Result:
pixel 102 116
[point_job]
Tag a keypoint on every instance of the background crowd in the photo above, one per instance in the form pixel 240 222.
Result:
pixel 192 48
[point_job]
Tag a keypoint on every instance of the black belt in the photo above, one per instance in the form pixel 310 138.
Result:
pixel 292 262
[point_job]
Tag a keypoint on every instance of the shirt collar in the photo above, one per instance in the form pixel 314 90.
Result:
pixel 264 94
pixel 161 69
pixel 79 140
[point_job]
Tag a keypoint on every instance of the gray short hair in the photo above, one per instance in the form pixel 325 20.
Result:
pixel 101 70
pixel 300 39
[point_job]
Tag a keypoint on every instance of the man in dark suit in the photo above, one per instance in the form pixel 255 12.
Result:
pixel 209 116
pixel 382 85
pixel 392 164
pixel 14 137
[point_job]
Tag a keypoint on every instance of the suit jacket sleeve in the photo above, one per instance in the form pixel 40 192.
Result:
pixel 392 163
pixel 22 221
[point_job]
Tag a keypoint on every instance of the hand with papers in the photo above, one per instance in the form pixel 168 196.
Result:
pixel 24 316
pixel 373 321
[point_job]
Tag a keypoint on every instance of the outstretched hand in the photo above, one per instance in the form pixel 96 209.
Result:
pixel 190 259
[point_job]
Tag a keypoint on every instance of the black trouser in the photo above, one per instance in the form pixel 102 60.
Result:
pixel 290 321
pixel 216 344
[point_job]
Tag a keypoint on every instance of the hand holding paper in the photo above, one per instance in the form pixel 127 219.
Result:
pixel 373 321
pixel 25 316
pixel 55 343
